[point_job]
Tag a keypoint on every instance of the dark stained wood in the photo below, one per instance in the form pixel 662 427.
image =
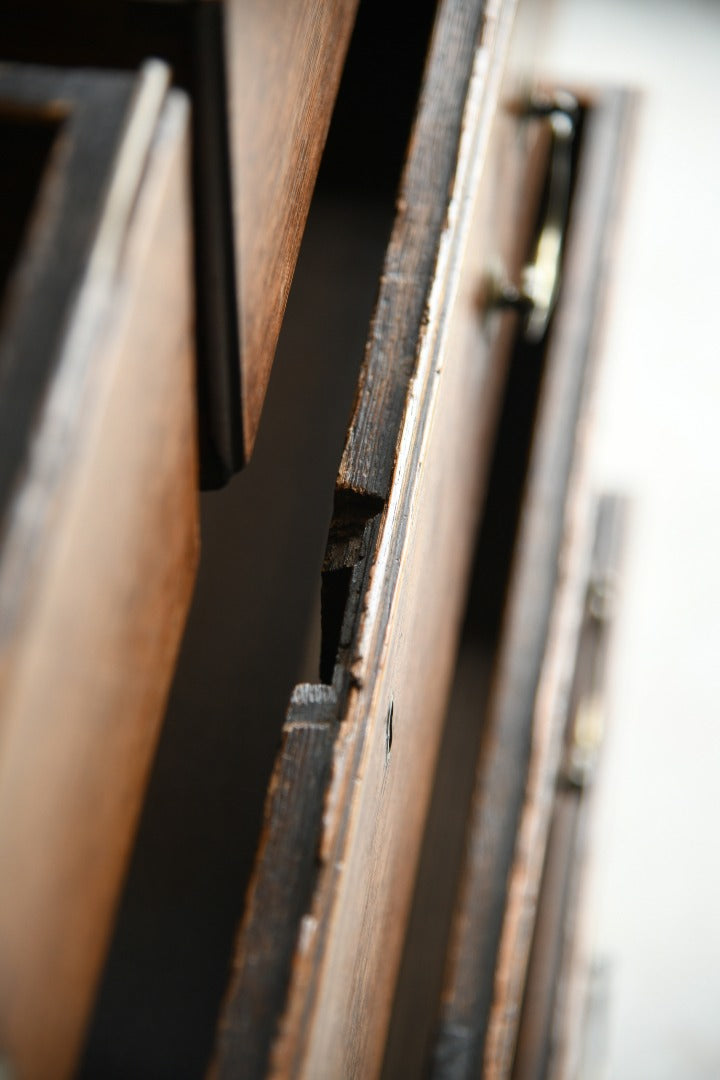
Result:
pixel 523 730
pixel 99 535
pixel 263 78
pixel 396 565
pixel 411 266
pixel 293 811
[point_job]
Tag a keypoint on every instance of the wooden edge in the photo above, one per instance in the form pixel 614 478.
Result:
pixel 281 887
pixel 74 758
pixel 315 52
pixel 418 251
pixel 91 111
pixel 508 819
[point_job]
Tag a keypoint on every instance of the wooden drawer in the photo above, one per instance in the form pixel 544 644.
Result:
pixel 99 518
pixel 263 79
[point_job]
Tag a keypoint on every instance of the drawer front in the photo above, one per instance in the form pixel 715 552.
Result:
pixel 531 683
pixel 284 64
pixel 558 983
pixel 99 541
pixel 319 949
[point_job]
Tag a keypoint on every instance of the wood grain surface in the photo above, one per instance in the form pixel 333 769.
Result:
pixel 406 504
pixel 284 64
pixel 519 757
pixel 99 547
pixel 263 78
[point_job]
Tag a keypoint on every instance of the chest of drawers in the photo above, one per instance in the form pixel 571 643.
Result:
pixel 463 415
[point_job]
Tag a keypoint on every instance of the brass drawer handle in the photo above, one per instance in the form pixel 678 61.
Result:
pixel 540 279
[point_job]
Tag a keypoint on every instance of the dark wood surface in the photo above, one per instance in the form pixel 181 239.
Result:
pixel 99 534
pixel 284 64
pixel 394 573
pixel 263 78
pixel 522 732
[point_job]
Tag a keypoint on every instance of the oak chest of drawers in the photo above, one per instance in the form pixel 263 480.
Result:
pixel 350 891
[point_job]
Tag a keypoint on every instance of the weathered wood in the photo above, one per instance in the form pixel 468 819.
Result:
pixel 522 738
pixel 397 561
pixel 263 79
pixel 99 533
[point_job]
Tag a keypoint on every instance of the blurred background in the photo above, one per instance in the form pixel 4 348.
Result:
pixel 653 896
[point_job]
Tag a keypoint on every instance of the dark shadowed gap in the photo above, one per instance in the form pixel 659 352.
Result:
pixel 26 140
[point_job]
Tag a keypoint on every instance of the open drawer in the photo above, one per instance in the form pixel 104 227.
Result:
pixel 262 79
pixel 98 492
